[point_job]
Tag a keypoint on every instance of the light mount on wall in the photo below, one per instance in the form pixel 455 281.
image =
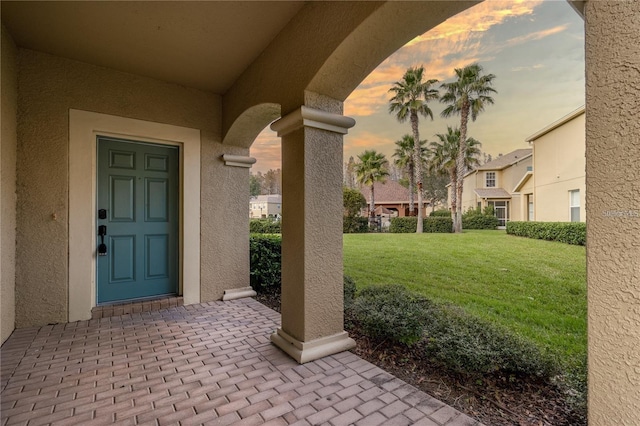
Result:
pixel 237 160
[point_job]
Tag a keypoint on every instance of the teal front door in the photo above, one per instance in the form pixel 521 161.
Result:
pixel 137 220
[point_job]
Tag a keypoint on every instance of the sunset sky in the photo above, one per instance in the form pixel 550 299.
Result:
pixel 535 49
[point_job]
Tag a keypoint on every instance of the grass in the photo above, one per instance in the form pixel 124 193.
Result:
pixel 535 288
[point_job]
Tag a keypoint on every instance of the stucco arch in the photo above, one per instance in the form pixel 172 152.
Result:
pixel 250 123
pixel 375 39
pixel 329 48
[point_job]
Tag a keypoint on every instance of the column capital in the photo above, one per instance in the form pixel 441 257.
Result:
pixel 311 117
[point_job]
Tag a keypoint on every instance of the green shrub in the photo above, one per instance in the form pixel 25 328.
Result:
pixel 400 225
pixel 355 225
pixel 467 344
pixel 440 213
pixel 265 226
pixel 565 232
pixel 391 312
pixel 348 290
pixel 479 221
pixel 265 263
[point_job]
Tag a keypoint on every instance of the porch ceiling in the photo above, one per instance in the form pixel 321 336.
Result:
pixel 204 45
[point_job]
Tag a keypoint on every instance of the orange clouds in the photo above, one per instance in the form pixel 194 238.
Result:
pixel 266 149
pixel 452 44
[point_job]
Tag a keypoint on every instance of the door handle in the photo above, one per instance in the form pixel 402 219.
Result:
pixel 102 248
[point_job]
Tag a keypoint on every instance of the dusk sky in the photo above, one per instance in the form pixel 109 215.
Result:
pixel 535 49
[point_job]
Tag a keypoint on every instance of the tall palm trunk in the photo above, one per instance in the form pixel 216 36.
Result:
pixel 372 203
pixel 417 164
pixel 412 185
pixel 453 176
pixel 460 164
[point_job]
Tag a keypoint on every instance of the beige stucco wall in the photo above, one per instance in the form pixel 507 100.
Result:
pixel 509 178
pixel 559 168
pixel 613 210
pixel 8 186
pixel 49 87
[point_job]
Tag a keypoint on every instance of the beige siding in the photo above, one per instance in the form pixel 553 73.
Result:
pixel 8 187
pixel 559 168
pixel 49 87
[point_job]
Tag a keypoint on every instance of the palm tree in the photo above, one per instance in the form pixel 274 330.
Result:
pixel 371 168
pixel 444 154
pixel 405 161
pixel 410 99
pixel 468 95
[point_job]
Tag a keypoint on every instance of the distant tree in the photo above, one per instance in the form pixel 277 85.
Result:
pixel 435 188
pixel 486 158
pixel 443 156
pixel 467 96
pixel 405 160
pixel 371 168
pixel 353 201
pixel 411 96
pixel 349 174
pixel 255 186
pixel 272 182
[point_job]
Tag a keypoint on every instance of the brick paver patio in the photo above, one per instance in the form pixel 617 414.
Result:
pixel 210 363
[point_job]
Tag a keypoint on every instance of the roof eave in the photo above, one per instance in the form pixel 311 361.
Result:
pixel 556 124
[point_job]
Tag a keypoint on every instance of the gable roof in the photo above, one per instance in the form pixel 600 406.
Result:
pixel 556 124
pixel 507 160
pixel 523 181
pixel 492 193
pixel 388 192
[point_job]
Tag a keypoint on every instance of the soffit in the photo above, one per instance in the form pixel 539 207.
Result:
pixel 205 45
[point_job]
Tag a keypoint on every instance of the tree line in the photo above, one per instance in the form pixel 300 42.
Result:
pixel 453 153
pixel 269 183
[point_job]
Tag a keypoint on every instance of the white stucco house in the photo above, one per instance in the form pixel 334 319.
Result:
pixel 264 206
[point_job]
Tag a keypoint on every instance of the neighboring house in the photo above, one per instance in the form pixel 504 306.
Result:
pixel 558 185
pixel 263 206
pixel 391 199
pixel 545 183
pixel 497 183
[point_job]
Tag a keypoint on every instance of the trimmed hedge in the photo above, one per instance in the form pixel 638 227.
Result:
pixel 355 225
pixel 265 262
pixel 479 221
pixel 406 225
pixel 440 213
pixel 265 226
pixel 565 232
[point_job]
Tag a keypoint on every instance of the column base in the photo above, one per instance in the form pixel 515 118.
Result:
pixel 238 293
pixel 315 349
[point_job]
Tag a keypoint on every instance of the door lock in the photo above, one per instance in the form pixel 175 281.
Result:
pixel 102 248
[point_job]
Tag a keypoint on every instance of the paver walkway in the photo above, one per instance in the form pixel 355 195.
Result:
pixel 209 363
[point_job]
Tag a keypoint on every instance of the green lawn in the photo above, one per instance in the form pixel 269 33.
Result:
pixel 537 288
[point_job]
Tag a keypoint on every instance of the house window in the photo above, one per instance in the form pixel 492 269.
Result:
pixel 490 180
pixel 574 205
pixel 531 215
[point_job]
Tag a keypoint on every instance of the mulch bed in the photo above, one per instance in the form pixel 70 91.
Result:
pixel 493 400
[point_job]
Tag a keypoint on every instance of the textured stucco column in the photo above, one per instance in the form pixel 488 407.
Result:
pixel 312 297
pixel 613 210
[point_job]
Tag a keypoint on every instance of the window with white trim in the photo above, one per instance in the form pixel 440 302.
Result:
pixel 574 205
pixel 490 179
